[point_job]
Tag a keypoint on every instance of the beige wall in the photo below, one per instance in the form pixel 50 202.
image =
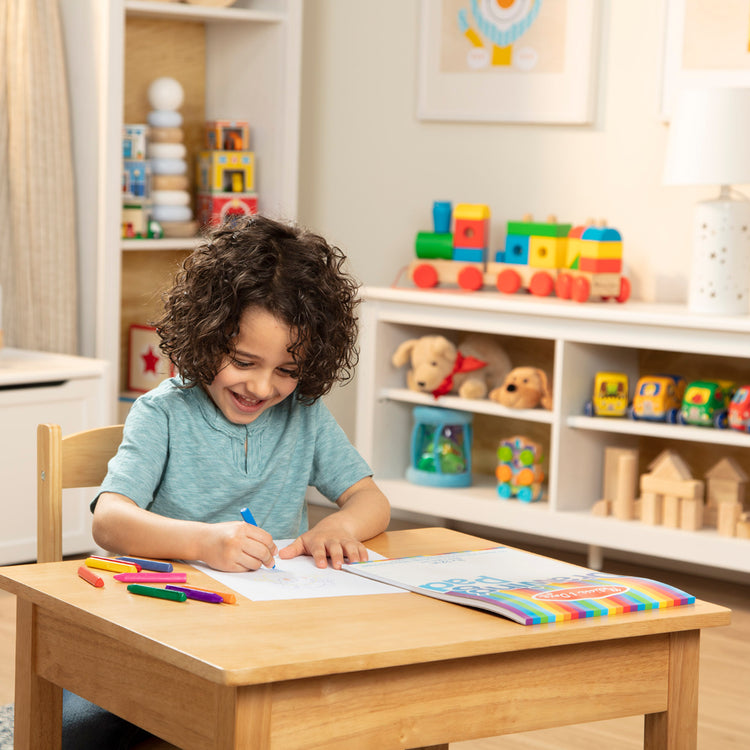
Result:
pixel 370 169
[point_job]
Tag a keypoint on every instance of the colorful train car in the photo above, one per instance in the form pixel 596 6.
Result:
pixel 573 262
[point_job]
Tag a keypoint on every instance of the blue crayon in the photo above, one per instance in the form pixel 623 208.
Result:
pixel 159 567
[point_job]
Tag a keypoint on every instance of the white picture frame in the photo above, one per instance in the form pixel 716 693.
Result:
pixel 703 47
pixel 550 78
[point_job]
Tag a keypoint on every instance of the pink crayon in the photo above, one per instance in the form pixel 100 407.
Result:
pixel 151 577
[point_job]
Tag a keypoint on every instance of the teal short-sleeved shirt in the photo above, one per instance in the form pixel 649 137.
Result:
pixel 180 457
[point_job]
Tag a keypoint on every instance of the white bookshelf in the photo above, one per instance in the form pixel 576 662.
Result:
pixel 246 66
pixel 574 341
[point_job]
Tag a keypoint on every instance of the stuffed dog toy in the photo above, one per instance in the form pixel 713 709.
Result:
pixel 438 366
pixel 524 388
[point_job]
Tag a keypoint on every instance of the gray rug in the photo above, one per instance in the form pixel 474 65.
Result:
pixel 6 727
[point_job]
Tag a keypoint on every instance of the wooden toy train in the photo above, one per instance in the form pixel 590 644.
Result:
pixel 574 262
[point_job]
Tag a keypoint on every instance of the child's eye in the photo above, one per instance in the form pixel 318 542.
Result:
pixel 290 372
pixel 242 364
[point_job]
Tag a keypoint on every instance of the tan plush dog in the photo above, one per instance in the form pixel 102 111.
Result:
pixel 438 366
pixel 524 388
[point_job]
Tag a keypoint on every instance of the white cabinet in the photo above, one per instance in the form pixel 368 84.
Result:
pixel 572 342
pixel 240 62
pixel 37 387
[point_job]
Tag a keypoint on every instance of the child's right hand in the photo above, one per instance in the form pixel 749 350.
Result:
pixel 236 546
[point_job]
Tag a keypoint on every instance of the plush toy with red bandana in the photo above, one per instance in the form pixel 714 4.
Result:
pixel 471 369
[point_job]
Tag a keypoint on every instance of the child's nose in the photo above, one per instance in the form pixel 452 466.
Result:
pixel 261 383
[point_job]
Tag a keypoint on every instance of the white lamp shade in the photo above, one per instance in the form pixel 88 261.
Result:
pixel 709 138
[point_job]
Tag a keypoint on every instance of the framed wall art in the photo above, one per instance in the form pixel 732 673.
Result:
pixel 706 43
pixel 531 61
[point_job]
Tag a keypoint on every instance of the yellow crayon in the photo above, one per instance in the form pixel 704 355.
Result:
pixel 113 565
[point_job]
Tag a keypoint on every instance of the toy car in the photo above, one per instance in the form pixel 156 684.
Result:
pixel 706 403
pixel 610 395
pixel 739 409
pixel 658 398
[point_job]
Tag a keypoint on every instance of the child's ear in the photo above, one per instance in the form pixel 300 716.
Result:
pixel 402 355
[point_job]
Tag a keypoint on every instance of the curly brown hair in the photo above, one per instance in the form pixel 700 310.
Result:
pixel 282 268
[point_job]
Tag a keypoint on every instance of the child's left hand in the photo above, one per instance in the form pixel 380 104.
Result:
pixel 323 546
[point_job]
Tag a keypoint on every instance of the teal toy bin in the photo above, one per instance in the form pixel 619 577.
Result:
pixel 440 448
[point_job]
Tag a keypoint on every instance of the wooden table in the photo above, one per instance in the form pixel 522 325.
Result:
pixel 380 672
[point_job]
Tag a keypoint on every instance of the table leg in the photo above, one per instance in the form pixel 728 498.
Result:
pixel 38 703
pixel 677 727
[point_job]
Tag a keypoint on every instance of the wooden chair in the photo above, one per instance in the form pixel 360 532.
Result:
pixel 78 460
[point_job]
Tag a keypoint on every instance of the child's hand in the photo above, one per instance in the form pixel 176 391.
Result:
pixel 236 546
pixel 321 546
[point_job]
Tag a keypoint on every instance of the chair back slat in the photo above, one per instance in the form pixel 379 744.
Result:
pixel 78 460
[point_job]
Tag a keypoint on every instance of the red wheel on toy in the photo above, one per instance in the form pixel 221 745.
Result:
pixel 508 282
pixel 425 276
pixel 541 284
pixel 624 294
pixel 470 278
pixel 581 289
pixel 564 286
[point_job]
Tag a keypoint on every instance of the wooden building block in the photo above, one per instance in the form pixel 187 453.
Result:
pixel 743 526
pixel 602 508
pixel 691 514
pixel 671 511
pixel 692 488
pixel 729 515
pixel 623 506
pixel 651 510
pixel 612 457
pixel 725 491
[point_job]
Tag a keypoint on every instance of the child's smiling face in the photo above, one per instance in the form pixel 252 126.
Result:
pixel 260 374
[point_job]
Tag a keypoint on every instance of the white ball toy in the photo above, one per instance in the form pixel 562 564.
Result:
pixel 166 93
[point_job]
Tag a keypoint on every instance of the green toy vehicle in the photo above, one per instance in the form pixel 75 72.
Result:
pixel 706 403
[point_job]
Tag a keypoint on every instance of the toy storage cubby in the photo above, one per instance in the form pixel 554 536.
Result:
pixel 571 342
pixel 240 62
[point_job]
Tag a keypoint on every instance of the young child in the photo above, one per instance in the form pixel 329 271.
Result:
pixel 259 324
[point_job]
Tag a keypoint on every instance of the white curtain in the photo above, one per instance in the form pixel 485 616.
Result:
pixel 38 256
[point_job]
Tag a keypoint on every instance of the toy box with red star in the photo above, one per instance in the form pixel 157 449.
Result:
pixel 148 366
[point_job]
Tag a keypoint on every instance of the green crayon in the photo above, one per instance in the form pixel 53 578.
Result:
pixel 155 591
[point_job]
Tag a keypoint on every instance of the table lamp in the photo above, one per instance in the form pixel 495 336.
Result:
pixel 709 144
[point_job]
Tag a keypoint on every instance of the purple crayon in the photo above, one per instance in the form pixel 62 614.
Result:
pixel 201 596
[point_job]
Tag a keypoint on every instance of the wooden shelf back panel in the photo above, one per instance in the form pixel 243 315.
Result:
pixel 145 275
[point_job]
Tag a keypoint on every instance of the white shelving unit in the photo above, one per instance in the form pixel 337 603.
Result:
pixel 242 61
pixel 574 342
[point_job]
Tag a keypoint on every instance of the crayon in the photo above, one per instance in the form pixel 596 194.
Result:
pixel 156 565
pixel 112 565
pixel 227 597
pixel 156 592
pixel 151 577
pixel 114 559
pixel 201 596
pixel 90 577
pixel 248 517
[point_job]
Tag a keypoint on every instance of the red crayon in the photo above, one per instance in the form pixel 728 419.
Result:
pixel 89 576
